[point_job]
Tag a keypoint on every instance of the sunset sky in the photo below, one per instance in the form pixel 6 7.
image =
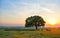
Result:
pixel 16 11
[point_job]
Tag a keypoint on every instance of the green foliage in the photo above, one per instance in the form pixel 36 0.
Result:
pixel 34 21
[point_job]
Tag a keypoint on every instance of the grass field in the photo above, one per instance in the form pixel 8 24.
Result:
pixel 31 33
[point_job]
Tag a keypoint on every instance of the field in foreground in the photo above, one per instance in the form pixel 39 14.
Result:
pixel 31 33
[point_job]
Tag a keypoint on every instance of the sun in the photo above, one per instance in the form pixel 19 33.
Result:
pixel 52 22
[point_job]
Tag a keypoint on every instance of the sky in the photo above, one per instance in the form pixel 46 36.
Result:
pixel 16 11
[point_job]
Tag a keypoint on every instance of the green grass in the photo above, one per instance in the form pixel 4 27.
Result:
pixel 30 33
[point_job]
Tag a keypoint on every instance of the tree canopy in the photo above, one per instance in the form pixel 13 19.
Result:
pixel 34 21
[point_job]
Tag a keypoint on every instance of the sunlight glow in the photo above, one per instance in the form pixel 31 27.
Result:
pixel 52 22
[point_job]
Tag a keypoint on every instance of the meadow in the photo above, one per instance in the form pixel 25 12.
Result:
pixel 30 33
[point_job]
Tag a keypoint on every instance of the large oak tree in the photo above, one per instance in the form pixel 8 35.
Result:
pixel 34 21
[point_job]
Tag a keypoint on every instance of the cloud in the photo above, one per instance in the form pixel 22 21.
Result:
pixel 38 8
pixel 47 10
pixel 24 8
pixel 21 10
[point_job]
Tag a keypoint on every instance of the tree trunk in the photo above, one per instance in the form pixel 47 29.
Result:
pixel 36 27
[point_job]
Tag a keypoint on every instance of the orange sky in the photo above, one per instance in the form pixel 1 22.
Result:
pixel 16 12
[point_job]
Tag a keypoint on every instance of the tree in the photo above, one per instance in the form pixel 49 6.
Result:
pixel 34 21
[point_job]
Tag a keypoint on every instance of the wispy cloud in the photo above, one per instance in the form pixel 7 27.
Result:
pixel 21 9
